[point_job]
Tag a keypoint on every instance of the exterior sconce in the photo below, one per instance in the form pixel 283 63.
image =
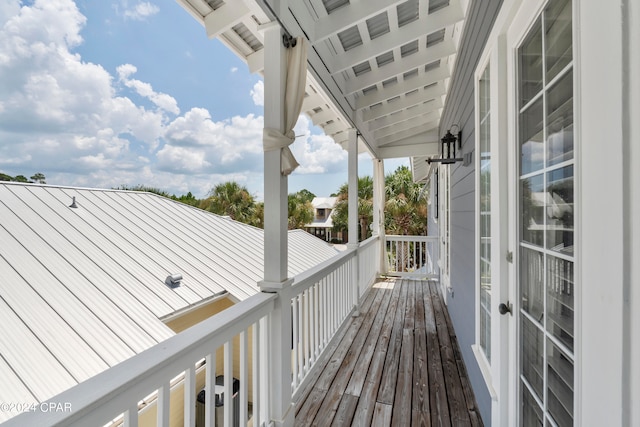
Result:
pixel 448 149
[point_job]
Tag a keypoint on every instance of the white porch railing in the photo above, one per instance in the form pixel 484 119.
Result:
pixel 413 256
pixel 141 389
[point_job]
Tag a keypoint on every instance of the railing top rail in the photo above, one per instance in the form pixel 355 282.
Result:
pixel 396 237
pixel 108 394
pixel 369 242
pixel 306 279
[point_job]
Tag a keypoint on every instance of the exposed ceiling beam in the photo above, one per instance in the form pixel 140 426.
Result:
pixel 447 16
pixel 403 87
pixel 418 149
pixel 407 133
pixel 323 116
pixel 408 101
pixel 427 112
pixel 348 16
pixel 400 66
pixel 433 117
pixel 225 17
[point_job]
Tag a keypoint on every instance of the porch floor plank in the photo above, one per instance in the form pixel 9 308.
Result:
pixel 398 363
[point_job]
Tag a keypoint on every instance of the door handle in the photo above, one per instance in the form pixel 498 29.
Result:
pixel 504 308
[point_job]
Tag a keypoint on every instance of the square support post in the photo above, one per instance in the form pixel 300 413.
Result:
pixel 352 145
pixel 379 199
pixel 276 237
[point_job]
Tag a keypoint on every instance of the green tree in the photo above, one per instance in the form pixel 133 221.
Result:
pixel 20 178
pixel 405 211
pixel 233 200
pixel 365 207
pixel 301 210
pixel 39 178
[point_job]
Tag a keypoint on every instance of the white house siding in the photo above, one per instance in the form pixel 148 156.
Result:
pixel 459 109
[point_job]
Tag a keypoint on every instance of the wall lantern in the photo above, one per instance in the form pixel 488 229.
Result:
pixel 448 148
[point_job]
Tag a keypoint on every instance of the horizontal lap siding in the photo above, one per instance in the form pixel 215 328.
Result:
pixel 459 109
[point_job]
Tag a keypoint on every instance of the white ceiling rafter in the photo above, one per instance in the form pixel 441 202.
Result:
pixel 406 102
pixel 225 17
pixel 447 16
pixel 431 117
pixel 428 111
pixel 403 87
pixel 407 133
pixel 377 47
pixel 401 66
pixel 350 15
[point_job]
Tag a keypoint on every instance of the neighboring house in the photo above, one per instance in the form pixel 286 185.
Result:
pixel 322 225
pixel 83 288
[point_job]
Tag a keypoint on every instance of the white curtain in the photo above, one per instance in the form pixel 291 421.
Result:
pixel 276 139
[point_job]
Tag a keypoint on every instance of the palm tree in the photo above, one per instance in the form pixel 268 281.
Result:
pixel 233 200
pixel 365 207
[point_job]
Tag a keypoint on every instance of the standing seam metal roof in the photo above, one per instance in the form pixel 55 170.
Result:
pixel 83 289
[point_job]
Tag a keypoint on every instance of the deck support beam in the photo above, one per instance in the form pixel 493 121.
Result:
pixel 276 249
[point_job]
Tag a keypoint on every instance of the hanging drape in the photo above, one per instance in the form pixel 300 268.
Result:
pixel 296 80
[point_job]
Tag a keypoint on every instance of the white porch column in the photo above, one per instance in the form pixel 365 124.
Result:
pixel 379 200
pixel 352 145
pixel 352 142
pixel 275 234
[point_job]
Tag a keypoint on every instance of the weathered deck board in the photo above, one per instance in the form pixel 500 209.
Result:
pixel 398 363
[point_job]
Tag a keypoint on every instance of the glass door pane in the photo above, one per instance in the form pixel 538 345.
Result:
pixel 546 204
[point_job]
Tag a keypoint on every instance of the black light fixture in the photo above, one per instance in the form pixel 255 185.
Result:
pixel 448 149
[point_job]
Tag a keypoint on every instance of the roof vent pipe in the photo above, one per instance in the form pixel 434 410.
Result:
pixel 173 280
pixel 73 203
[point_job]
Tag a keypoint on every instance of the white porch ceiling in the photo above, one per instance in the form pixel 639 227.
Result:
pixel 381 66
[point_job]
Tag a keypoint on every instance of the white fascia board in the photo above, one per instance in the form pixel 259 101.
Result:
pixel 255 61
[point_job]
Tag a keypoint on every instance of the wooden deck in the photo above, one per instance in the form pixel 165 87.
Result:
pixel 397 364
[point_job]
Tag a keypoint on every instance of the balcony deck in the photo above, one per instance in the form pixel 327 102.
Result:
pixel 398 364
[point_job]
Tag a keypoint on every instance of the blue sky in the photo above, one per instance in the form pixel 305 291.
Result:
pixel 106 93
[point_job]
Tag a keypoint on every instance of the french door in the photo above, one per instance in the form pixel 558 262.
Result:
pixel 545 258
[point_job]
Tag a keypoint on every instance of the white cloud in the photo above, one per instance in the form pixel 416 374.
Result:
pixel 140 11
pixel 234 69
pixel 317 154
pixel 81 125
pixel 257 93
pixel 161 100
